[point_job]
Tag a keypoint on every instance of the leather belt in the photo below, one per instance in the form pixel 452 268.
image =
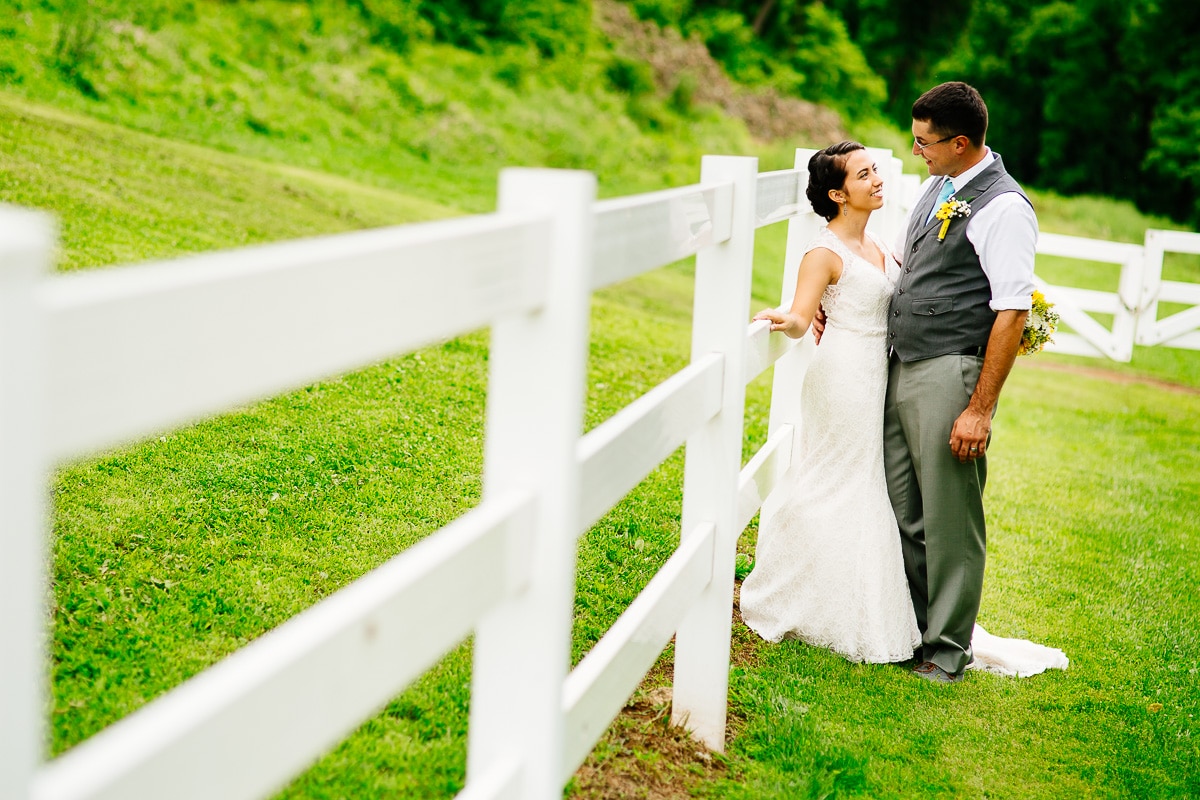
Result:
pixel 977 350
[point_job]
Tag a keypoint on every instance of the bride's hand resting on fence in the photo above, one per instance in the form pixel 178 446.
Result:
pixel 790 324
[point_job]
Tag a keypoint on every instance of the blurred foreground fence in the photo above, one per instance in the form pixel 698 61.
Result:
pixel 93 360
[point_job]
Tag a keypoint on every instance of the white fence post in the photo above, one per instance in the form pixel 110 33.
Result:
pixel 790 368
pixel 26 240
pixel 710 483
pixel 886 221
pixel 1178 329
pixel 537 368
pixel 1153 254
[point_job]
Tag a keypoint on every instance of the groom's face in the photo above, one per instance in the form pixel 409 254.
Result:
pixel 940 155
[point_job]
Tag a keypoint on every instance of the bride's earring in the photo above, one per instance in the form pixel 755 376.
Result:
pixel 845 209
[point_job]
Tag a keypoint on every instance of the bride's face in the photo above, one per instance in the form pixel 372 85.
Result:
pixel 863 188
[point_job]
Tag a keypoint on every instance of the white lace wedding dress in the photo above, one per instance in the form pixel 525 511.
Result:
pixel 828 568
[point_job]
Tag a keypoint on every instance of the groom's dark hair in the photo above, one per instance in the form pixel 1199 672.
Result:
pixel 953 109
pixel 827 171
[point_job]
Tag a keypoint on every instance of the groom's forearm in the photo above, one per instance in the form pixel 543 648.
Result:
pixel 1003 343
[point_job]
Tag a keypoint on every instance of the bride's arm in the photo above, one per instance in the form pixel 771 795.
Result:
pixel 818 269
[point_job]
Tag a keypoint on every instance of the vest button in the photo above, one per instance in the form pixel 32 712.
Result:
pixel 931 312
pixel 901 292
pixel 895 313
pixel 908 269
pixel 914 248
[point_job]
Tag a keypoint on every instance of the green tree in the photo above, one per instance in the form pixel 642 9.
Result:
pixel 1091 96
pixel 554 27
pixel 801 48
pixel 1170 180
pixel 903 45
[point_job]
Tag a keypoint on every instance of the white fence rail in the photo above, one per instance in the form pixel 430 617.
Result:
pixel 78 373
pixel 1179 329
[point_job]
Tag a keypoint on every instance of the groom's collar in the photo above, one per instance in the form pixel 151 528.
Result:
pixel 963 178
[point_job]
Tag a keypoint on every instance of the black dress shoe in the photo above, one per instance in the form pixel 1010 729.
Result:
pixel 935 674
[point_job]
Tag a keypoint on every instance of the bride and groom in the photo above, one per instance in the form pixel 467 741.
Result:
pixel 875 545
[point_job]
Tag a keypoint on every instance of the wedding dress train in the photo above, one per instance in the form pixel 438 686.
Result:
pixel 1013 657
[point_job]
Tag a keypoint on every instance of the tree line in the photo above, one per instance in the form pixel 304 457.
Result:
pixel 1086 96
pixel 1089 96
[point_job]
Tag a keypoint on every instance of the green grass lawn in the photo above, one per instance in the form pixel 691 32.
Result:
pixel 174 552
pixel 1093 538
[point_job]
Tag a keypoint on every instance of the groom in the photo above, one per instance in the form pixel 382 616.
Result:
pixel 954 326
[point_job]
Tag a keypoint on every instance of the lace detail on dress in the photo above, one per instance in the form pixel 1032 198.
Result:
pixel 865 309
pixel 828 567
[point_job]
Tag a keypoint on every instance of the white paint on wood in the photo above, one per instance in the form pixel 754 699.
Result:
pixel 142 349
pixel 763 349
pixel 762 474
pixel 778 196
pixel 643 232
pixel 721 308
pixel 1175 330
pixel 617 454
pixel 1072 304
pixel 537 366
pixel 501 781
pixel 599 686
pixel 244 727
pixel 26 243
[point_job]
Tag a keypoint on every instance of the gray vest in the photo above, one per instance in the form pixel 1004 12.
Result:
pixel 940 304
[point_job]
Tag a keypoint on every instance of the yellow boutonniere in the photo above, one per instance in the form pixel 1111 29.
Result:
pixel 951 209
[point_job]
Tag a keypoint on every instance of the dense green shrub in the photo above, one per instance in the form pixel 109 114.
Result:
pixel 834 68
pixel 395 24
pixel 731 42
pixel 629 75
pixel 555 27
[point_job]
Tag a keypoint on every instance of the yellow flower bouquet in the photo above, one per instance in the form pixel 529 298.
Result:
pixel 1040 325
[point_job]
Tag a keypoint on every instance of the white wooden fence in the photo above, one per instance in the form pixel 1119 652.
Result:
pixel 1134 307
pixel 78 373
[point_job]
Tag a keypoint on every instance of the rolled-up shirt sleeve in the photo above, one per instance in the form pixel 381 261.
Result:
pixel 1004 234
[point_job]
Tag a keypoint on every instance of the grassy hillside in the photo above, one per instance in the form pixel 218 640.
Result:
pixel 121 195
pixel 307 84
pixel 172 553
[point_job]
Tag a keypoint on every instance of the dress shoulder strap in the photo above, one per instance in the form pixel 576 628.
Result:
pixel 829 240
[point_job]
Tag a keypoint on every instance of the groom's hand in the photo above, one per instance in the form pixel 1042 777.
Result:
pixel 818 325
pixel 968 437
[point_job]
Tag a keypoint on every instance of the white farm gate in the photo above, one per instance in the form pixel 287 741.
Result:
pixel 1134 306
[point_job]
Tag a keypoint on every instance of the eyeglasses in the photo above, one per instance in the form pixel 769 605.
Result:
pixel 922 147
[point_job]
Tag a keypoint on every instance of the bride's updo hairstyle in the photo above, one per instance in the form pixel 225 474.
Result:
pixel 827 171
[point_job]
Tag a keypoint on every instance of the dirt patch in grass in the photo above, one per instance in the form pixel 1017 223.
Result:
pixel 643 755
pixel 1115 377
pixel 768 115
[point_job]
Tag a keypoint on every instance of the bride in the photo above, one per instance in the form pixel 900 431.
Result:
pixel 828 568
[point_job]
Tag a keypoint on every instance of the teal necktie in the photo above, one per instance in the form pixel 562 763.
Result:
pixel 944 195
